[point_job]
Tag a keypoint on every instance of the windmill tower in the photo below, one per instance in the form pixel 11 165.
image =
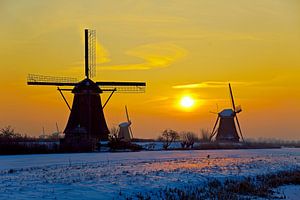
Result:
pixel 125 132
pixel 226 122
pixel 86 124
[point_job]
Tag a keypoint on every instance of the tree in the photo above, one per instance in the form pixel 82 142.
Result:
pixel 188 139
pixel 9 132
pixel 168 136
pixel 205 135
pixel 113 134
pixel 54 136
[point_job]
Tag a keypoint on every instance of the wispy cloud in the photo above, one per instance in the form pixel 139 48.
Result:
pixel 145 19
pixel 102 54
pixel 154 56
pixel 196 34
pixel 208 84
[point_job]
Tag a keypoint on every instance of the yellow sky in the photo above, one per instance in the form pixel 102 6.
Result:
pixel 178 47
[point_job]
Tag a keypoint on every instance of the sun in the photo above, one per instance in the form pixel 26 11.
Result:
pixel 187 102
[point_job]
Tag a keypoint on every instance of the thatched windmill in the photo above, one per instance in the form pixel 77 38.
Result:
pixel 225 126
pixel 86 124
pixel 125 132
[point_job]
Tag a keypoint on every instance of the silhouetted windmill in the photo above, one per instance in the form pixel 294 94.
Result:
pixel 125 132
pixel 86 124
pixel 226 130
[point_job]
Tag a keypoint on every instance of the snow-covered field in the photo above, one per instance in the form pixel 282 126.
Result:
pixel 115 175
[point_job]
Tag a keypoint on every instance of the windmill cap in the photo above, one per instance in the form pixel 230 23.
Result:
pixel 86 84
pixel 227 113
pixel 124 124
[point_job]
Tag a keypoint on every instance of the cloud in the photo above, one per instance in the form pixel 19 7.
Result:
pixel 198 34
pixel 102 54
pixel 145 19
pixel 208 84
pixel 154 56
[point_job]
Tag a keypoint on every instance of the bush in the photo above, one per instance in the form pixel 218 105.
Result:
pixel 8 133
pixel 188 139
pixel 205 135
pixel 168 137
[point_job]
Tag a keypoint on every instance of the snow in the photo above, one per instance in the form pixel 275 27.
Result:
pixel 290 192
pixel 159 145
pixel 115 175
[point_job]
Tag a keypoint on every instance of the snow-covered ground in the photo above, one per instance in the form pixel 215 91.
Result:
pixel 115 175
pixel 290 192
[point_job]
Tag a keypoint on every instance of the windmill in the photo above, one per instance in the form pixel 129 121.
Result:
pixel 125 132
pixel 86 124
pixel 226 122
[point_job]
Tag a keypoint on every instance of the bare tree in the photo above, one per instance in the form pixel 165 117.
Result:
pixel 205 135
pixel 9 132
pixel 113 133
pixel 188 139
pixel 168 136
pixel 54 136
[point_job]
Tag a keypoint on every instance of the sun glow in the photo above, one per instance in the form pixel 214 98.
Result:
pixel 187 102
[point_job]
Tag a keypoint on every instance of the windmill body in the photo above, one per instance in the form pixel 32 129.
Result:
pixel 225 129
pixel 125 133
pixel 86 113
pixel 86 125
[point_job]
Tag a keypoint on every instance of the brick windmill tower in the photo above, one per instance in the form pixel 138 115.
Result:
pixel 226 122
pixel 86 125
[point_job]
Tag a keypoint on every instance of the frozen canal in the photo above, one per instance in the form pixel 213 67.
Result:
pixel 114 175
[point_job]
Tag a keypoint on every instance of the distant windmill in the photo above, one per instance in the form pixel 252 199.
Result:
pixel 226 131
pixel 86 122
pixel 125 132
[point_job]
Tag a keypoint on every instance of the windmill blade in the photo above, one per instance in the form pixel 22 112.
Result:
pixel 128 119
pixel 232 99
pixel 217 110
pixel 130 132
pixel 90 53
pixel 238 123
pixel 127 114
pixel 57 129
pixel 213 131
pixel 238 109
pixel 122 87
pixel 34 79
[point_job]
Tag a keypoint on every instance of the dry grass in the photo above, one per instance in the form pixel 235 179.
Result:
pixel 245 188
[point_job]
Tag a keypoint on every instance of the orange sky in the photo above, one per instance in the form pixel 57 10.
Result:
pixel 178 47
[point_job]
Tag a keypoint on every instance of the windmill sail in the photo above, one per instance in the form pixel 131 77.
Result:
pixel 132 87
pixel 129 121
pixel 127 114
pixel 34 79
pixel 231 97
pixel 90 53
